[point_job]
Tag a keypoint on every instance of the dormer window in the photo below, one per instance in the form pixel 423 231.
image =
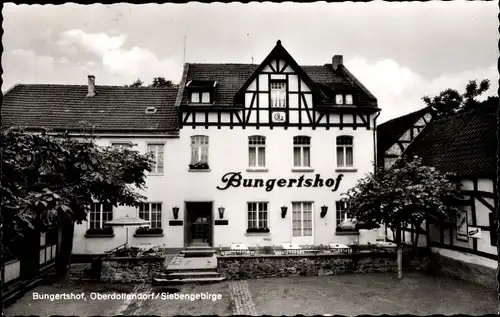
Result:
pixel 339 99
pixel 201 91
pixel 348 99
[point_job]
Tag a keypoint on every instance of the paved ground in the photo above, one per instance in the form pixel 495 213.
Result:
pixel 346 294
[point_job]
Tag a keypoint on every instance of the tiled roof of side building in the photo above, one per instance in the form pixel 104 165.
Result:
pixel 231 77
pixel 113 108
pixel 465 144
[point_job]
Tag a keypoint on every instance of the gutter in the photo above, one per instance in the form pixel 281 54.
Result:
pixel 375 161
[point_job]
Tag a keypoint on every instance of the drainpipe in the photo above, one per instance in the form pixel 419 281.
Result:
pixel 375 162
pixel 375 143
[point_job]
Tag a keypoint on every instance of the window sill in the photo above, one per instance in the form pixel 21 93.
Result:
pixel 257 170
pixel 302 170
pixel 347 233
pixel 155 174
pixel 147 235
pixel 346 170
pixel 100 235
pixel 199 171
pixel 257 234
pixel 200 104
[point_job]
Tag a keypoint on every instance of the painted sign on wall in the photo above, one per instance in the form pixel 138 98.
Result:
pixel 235 179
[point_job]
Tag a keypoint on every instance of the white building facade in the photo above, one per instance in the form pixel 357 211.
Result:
pixel 254 154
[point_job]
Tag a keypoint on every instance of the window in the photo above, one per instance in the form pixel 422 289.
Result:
pixel 348 99
pixel 199 149
pixel 151 212
pixel 278 94
pixel 121 145
pixel 345 157
pixel 257 215
pixel 99 215
pixel 302 219
pixel 341 208
pixel 200 97
pixel 257 151
pixel 301 151
pixel 157 150
pixel 339 99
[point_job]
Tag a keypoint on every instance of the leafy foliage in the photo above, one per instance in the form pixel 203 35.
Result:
pixel 408 193
pixel 137 83
pixel 48 180
pixel 161 82
pixel 450 101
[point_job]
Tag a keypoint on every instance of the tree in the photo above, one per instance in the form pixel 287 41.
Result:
pixel 137 83
pixel 161 82
pixel 52 180
pixel 408 193
pixel 450 101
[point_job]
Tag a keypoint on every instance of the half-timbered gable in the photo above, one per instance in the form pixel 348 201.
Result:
pixel 276 93
pixel 394 136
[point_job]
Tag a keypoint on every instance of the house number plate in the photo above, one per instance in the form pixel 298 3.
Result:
pixel 278 117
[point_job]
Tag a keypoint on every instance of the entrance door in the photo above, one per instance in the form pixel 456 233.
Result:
pixel 302 223
pixel 198 228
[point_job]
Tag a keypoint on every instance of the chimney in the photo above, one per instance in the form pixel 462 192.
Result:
pixel 91 86
pixel 336 61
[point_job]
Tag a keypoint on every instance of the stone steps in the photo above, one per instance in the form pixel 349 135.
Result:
pixel 190 253
pixel 191 274
pixel 198 280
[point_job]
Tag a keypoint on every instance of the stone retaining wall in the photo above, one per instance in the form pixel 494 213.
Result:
pixel 131 270
pixel 235 267
pixel 475 273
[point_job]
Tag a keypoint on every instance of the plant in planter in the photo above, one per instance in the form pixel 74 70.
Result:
pixel 199 166
pixel 148 230
pixel 258 230
pixel 98 231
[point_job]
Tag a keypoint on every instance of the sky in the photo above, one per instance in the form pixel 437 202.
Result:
pixel 399 51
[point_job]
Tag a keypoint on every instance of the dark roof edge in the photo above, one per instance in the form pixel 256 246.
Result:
pixel 121 130
pixel 182 84
pixel 357 82
pixel 423 111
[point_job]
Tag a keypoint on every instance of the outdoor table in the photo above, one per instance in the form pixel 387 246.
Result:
pixel 291 248
pixel 339 247
pixel 238 249
pixel 382 245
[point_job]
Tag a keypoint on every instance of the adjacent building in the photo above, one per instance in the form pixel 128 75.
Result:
pixel 466 145
pixel 256 154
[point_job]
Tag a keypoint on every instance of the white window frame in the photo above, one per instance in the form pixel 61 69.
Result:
pixel 340 210
pixel 158 167
pixel 297 144
pixel 201 147
pixel 200 95
pixel 348 99
pixel 343 163
pixel 339 99
pixel 302 220
pixel 256 142
pixel 149 212
pixel 277 96
pixel 101 214
pixel 257 213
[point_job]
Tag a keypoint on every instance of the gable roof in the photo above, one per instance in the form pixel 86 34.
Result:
pixel 465 144
pixel 279 52
pixel 113 108
pixel 389 132
pixel 234 78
